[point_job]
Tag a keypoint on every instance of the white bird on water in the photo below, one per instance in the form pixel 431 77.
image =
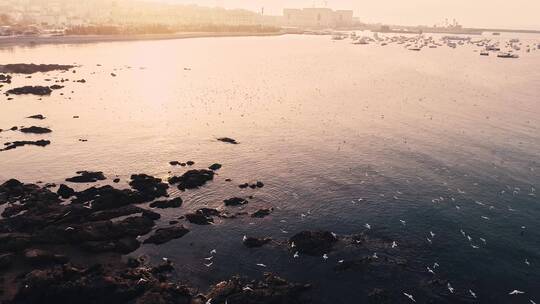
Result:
pixel 325 256
pixel 375 256
pixel 410 296
pixel 472 293
pixel 516 292
pixel 208 265
pixel 296 255
pixel 394 244
pixel 430 270
pixel 209 258
pixel 435 265
pixel 462 232
pixel 403 222
pixel 450 287
pixel 261 265
pixel 247 288
pixel 244 238
pixel 429 241
pixel 213 251
pixel 293 245
pixel 527 262
pixel 368 226
pixel 432 234
pixel 532 302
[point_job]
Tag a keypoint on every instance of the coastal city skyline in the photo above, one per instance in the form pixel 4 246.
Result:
pixel 518 14
pixel 480 14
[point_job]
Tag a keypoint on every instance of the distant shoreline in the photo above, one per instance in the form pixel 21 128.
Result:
pixel 77 39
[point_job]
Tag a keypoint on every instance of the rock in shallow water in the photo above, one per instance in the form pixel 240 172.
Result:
pixel 192 179
pixel 163 235
pixel 36 130
pixel 16 144
pixel 31 90
pixel 313 242
pixel 87 177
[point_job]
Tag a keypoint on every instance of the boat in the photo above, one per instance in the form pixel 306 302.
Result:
pixel 496 34
pixel 484 53
pixel 507 55
pixel 415 49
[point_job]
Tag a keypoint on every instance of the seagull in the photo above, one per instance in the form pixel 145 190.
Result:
pixel 325 256
pixel 474 246
pixel 516 292
pixel 432 234
pixel 293 245
pixel 458 207
pixel 296 255
pixel 410 297
pixel 284 231
pixel 463 233
pixel 261 265
pixel 532 302
pixel 333 234
pixel 247 288
pixel 141 280
pixel 165 259
pixel 403 222
pixel 527 262
pixel 70 228
pixel 430 241
pixel 209 301
pixel 430 270
pixel 483 240
pixel 341 261
pixel 469 238
pixel 368 226
pixel 472 293
pixel 375 256
pixel 244 238
pixel 394 244
pixel 435 265
pixel 450 288
pixel 485 217
pixel 213 251
pixel 208 265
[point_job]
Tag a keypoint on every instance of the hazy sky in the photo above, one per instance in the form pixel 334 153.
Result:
pixel 473 13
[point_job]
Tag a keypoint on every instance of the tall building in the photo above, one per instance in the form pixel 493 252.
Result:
pixel 317 18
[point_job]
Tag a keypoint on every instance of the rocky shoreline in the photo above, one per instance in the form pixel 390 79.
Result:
pixel 43 234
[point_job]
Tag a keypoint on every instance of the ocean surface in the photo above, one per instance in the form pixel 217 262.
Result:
pixel 437 150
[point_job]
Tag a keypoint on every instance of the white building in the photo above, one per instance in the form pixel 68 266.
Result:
pixel 317 18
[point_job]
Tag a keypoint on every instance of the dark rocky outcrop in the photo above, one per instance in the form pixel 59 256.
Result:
pixel 5 78
pixel 271 290
pixel 235 201
pixel 16 144
pixel 173 203
pixel 35 130
pixel 31 90
pixel 37 116
pixel 22 68
pixel 228 140
pixel 163 235
pixel 252 242
pixel 87 177
pixel 313 242
pixel 215 167
pixel 199 218
pixel 65 191
pixel 192 179
pixel 149 186
pixel 262 212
